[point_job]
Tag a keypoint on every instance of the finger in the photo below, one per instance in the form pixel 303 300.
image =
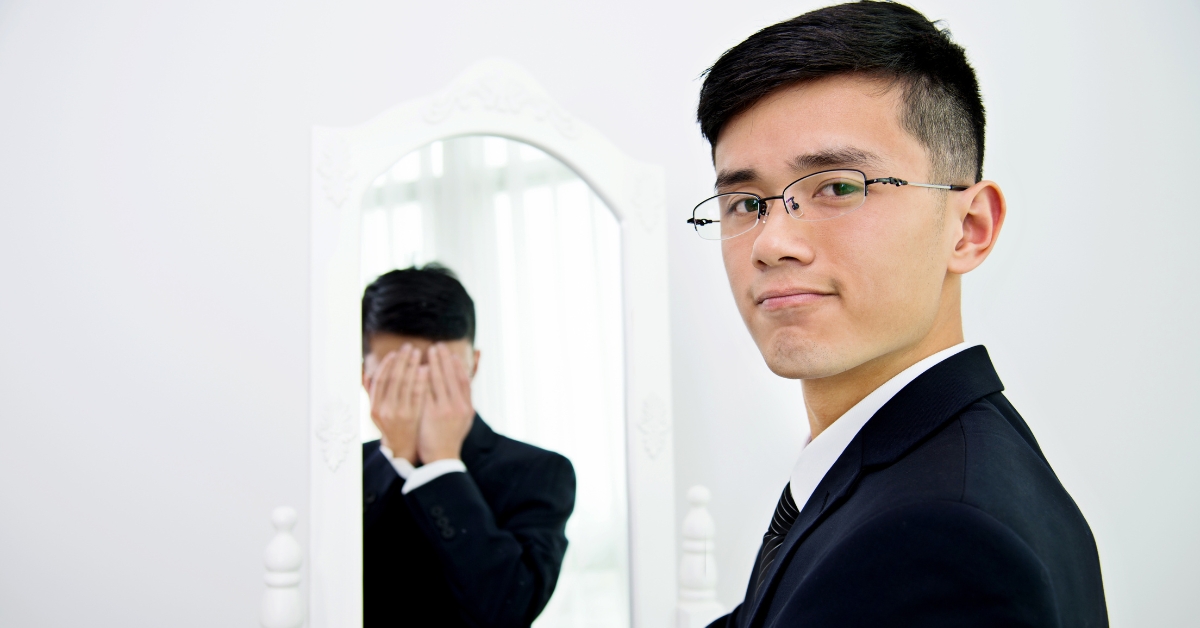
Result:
pixel 410 398
pixel 379 383
pixel 437 379
pixel 397 389
pixel 421 390
pixel 452 368
pixel 400 370
pixel 464 382
pixel 375 367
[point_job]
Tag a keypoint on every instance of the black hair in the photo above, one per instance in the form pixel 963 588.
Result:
pixel 885 40
pixel 427 302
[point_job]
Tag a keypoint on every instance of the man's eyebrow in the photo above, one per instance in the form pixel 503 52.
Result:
pixel 834 157
pixel 730 178
pixel 830 158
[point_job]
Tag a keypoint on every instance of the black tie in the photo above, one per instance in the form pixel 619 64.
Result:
pixel 785 516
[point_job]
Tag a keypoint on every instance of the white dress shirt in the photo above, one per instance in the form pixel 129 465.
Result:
pixel 818 454
pixel 416 477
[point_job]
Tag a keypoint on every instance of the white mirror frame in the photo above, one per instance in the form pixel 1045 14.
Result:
pixel 494 97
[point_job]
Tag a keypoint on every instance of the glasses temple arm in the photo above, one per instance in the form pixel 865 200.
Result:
pixel 899 182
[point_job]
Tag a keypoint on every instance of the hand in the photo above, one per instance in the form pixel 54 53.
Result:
pixel 397 394
pixel 447 413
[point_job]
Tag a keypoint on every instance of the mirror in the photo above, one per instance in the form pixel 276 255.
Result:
pixel 596 383
pixel 539 253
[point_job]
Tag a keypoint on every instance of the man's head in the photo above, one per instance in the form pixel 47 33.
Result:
pixel 417 306
pixel 891 43
pixel 868 86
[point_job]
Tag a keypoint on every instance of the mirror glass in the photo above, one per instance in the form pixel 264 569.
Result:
pixel 539 253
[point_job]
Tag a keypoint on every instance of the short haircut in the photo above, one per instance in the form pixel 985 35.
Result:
pixel 880 40
pixel 426 302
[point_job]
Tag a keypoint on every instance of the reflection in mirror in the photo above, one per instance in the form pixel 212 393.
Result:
pixel 539 253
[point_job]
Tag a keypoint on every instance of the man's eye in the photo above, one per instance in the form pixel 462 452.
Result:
pixel 840 188
pixel 746 206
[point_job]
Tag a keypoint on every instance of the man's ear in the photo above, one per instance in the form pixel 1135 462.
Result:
pixel 979 211
pixel 475 364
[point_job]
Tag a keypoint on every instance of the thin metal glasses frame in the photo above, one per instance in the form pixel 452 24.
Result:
pixel 896 181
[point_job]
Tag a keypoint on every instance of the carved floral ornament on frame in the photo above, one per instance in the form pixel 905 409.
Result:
pixel 501 94
pixel 336 430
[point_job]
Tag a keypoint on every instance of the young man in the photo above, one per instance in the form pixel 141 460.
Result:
pixel 461 526
pixel 848 147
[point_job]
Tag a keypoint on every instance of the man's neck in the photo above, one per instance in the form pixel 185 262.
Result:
pixel 828 398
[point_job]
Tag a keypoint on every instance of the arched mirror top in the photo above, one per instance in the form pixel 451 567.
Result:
pixel 495 98
pixel 530 150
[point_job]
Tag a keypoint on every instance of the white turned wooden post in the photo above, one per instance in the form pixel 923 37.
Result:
pixel 282 605
pixel 698 604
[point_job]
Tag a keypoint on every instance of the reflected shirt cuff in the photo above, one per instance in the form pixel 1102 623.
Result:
pixel 416 477
pixel 425 474
pixel 403 467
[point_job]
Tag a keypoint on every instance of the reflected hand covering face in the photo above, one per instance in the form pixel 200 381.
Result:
pixel 403 377
pixel 823 297
pixel 383 344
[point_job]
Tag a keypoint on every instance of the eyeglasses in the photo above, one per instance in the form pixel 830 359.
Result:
pixel 818 196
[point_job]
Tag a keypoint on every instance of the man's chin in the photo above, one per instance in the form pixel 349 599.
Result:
pixel 795 358
pixel 792 369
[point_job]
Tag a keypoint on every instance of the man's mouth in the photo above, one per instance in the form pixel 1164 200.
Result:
pixel 772 300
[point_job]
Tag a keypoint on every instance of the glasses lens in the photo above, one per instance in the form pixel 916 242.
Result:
pixel 725 216
pixel 825 195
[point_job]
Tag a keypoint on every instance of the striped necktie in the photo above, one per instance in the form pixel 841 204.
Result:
pixel 785 515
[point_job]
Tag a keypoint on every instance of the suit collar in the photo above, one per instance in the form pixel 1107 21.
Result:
pixel 926 403
pixel 907 419
pixel 479 442
pixel 818 456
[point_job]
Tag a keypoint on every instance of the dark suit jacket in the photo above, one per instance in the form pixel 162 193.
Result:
pixel 942 511
pixel 481 548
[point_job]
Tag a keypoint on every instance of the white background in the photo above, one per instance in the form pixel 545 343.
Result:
pixel 154 188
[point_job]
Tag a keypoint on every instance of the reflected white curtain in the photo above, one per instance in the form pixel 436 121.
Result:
pixel 539 253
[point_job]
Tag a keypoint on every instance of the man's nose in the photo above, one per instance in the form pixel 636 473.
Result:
pixel 779 238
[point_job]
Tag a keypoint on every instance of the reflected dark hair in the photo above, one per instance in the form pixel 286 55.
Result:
pixel 884 40
pixel 427 302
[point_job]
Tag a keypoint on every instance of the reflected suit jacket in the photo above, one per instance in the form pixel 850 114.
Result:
pixel 942 511
pixel 481 548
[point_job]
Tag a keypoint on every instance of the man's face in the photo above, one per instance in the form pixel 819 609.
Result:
pixel 821 298
pixel 382 344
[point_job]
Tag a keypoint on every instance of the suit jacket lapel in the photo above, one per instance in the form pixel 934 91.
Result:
pixel 903 423
pixel 478 443
pixel 836 484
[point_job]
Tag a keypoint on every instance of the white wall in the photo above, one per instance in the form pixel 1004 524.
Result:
pixel 153 271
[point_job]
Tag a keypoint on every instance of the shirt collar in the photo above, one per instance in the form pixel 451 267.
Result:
pixel 818 454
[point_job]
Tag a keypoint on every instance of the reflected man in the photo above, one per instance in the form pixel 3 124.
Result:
pixel 461 526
